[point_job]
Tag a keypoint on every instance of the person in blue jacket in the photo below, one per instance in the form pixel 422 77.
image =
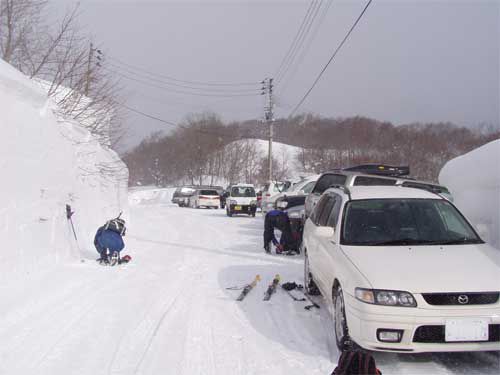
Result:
pixel 277 219
pixel 108 240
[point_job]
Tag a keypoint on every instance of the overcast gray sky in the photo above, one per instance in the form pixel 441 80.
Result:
pixel 407 61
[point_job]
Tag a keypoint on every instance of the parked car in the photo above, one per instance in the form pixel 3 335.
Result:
pixel 403 271
pixel 302 187
pixel 204 198
pixel 181 195
pixel 270 189
pixel 241 199
pixel 368 175
pixel 293 205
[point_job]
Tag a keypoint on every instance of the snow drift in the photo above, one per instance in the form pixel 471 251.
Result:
pixel 47 163
pixel 474 181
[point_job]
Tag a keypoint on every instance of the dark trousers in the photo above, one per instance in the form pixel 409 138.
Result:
pixel 282 223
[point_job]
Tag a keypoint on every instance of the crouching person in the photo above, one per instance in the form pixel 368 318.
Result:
pixel 278 219
pixel 108 241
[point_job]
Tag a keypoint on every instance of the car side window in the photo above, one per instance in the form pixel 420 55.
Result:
pixel 328 180
pixel 334 214
pixel 327 209
pixel 318 209
pixel 308 187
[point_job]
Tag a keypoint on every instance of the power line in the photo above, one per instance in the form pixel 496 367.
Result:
pixel 181 80
pixel 170 123
pixel 294 41
pixel 330 60
pixel 300 42
pixel 150 84
pixel 307 46
pixel 208 89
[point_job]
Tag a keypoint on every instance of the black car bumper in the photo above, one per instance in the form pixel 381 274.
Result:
pixel 242 209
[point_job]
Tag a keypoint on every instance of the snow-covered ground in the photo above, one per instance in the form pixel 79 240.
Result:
pixel 169 312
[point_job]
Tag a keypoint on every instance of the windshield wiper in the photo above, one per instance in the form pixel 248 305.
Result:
pixel 399 241
pixel 460 241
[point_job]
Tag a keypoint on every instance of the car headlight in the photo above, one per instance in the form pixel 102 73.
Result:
pixel 385 297
pixel 253 203
pixel 294 214
pixel 233 202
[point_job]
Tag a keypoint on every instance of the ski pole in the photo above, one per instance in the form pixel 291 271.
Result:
pixel 70 213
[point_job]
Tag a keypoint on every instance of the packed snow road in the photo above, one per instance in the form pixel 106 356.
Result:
pixel 169 311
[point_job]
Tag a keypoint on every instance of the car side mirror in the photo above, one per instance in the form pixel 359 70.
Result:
pixel 325 232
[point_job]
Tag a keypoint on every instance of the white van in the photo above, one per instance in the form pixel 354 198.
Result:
pixel 242 199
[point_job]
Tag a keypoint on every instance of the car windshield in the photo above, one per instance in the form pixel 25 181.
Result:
pixel 243 191
pixel 393 222
pixel 208 192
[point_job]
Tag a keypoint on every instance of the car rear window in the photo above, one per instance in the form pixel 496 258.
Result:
pixel 373 181
pixel 328 180
pixel 208 192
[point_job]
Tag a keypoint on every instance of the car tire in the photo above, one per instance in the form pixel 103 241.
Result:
pixel 309 285
pixel 339 319
pixel 252 214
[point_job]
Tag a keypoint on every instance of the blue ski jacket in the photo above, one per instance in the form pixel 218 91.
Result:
pixel 108 239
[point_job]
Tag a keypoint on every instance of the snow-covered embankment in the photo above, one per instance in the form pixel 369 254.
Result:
pixel 46 163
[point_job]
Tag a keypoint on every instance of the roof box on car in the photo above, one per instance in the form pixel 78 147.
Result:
pixel 380 169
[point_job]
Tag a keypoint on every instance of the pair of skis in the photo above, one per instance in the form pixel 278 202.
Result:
pixel 269 292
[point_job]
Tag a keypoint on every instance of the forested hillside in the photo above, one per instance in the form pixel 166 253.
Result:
pixel 204 150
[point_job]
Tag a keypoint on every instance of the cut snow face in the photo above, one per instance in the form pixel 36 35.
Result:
pixel 474 181
pixel 47 163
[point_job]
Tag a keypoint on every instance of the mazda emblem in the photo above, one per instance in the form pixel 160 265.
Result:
pixel 463 299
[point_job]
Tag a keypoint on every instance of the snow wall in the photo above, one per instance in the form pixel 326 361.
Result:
pixel 474 181
pixel 46 163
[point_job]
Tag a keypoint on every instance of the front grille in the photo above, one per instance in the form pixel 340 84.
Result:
pixel 461 299
pixel 436 334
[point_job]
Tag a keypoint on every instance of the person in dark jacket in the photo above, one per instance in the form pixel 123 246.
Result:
pixel 108 239
pixel 277 219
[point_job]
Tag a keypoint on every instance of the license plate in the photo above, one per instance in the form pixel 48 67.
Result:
pixel 237 208
pixel 466 330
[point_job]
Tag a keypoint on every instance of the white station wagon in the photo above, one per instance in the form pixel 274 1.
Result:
pixel 402 270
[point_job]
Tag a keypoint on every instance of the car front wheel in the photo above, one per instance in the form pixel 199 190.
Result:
pixel 310 286
pixel 339 319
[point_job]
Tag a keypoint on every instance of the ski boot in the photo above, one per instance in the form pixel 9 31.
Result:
pixel 104 259
pixel 114 259
pixel 267 249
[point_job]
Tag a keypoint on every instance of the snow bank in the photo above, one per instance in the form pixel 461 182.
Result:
pixel 46 163
pixel 150 195
pixel 474 181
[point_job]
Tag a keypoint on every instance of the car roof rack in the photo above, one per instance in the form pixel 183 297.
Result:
pixel 380 169
pixel 344 188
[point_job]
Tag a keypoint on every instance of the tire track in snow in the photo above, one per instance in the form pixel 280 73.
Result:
pixel 155 332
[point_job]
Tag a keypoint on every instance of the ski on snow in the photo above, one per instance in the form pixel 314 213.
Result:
pixel 248 288
pixel 272 288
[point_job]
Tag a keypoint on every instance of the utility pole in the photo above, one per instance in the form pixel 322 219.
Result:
pixel 87 81
pixel 90 67
pixel 267 88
